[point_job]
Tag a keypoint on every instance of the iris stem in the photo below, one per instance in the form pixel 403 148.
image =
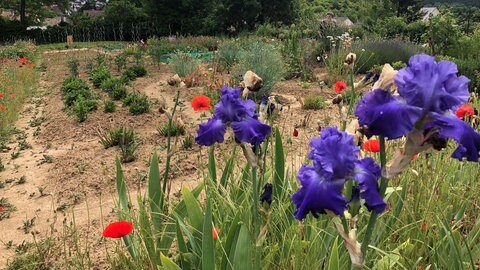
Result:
pixel 383 188
pixel 255 213
pixel 350 101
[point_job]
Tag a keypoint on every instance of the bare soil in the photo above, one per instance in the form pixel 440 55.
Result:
pixel 77 189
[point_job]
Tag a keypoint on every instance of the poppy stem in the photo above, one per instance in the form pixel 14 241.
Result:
pixel 383 188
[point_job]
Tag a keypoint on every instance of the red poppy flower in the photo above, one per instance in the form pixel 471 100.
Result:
pixel 347 43
pixel 340 86
pixel 2 209
pixel 371 146
pixel 1 95
pixel 118 229
pixel 12 95
pixel 424 226
pixel 465 110
pixel 215 232
pixel 3 108
pixel 23 60
pixel 5 60
pixel 295 132
pixel 201 103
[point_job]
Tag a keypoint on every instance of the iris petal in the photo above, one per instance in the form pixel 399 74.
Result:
pixel 367 174
pixel 467 138
pixel 386 115
pixel 250 130
pixel 430 85
pixel 334 153
pixel 211 132
pixel 317 194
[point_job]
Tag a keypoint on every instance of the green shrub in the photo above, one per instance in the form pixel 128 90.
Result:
pixel 81 107
pixel 99 74
pixel 128 75
pixel 314 102
pixel 73 65
pixel 230 53
pixel 109 106
pixel 115 88
pixel 139 71
pixel 73 84
pixel 137 103
pixel 120 61
pixel 183 63
pixel 265 60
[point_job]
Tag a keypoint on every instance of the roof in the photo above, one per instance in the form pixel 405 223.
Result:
pixel 429 11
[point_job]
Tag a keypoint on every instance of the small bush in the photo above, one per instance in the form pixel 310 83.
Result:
pixel 230 53
pixel 115 88
pixel 128 75
pixel 82 107
pixel 314 102
pixel 109 107
pixel 120 61
pixel 174 131
pixel 73 65
pixel 99 74
pixel 137 103
pixel 183 64
pixel 139 71
pixel 265 60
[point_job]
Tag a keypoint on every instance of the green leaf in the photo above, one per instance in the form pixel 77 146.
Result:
pixel 242 259
pixel 279 174
pixel 145 230
pixel 194 211
pixel 121 188
pixel 212 170
pixel 168 264
pixel 334 261
pixel 230 243
pixel 182 247
pixel 227 171
pixel 180 212
pixel 208 245
pixel 155 195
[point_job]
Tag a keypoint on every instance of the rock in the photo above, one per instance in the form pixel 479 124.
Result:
pixel 251 83
pixel 174 80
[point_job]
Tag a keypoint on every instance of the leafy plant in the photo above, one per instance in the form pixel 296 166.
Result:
pixel 122 137
pixel 109 106
pixel 120 61
pixel 183 63
pixel 265 60
pixel 99 74
pixel 230 53
pixel 73 65
pixel 173 130
pixel 115 88
pixel 7 207
pixel 82 107
pixel 137 103
pixel 314 102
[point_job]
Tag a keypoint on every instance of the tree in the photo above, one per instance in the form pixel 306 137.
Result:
pixel 37 10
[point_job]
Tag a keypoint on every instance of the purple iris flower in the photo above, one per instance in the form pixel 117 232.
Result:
pixel 429 92
pixel 239 114
pixel 335 160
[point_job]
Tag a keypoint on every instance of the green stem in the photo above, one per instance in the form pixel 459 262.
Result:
pixel 167 162
pixel 255 199
pixel 350 100
pixel 383 188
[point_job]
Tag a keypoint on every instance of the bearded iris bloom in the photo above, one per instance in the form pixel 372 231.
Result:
pixel 237 113
pixel 429 93
pixel 335 160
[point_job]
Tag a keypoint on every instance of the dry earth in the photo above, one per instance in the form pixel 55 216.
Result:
pixel 74 196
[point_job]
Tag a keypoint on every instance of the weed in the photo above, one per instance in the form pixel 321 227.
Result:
pixel 28 225
pixel 314 102
pixel 36 132
pixel 6 208
pixel 22 180
pixel 37 121
pixel 123 137
pixel 46 159
pixel 120 61
pixel 138 103
pixel 2 167
pixel 188 142
pixel 14 155
pixel 22 145
pixel 109 107
pixel 174 130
